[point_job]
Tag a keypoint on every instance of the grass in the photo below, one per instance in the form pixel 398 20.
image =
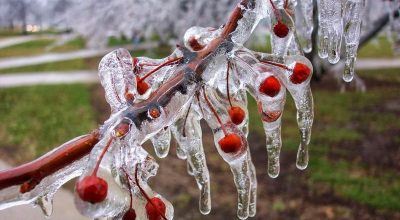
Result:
pixel 69 65
pixel 341 123
pixel 74 44
pixel 80 64
pixel 40 46
pixel 115 41
pixel 379 47
pixel 35 119
pixel 26 49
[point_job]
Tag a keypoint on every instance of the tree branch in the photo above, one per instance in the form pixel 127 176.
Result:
pixel 31 174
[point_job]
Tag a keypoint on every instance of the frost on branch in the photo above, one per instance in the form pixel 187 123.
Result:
pixel 207 78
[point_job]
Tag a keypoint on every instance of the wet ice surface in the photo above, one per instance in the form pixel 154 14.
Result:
pixel 157 99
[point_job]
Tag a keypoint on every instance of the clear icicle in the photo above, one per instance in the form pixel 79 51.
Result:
pixel 189 169
pixel 271 109
pixel 306 24
pixel 253 186
pixel 187 132
pixel 353 12
pixel 240 170
pixel 323 28
pixel 45 203
pixel 237 160
pixel 303 99
pixel 305 118
pixel 161 142
pixel 115 71
pixel 335 31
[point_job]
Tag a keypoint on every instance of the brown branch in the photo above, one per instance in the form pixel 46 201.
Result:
pixel 230 26
pixel 32 173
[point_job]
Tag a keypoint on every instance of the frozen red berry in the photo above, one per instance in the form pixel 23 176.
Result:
pixel 231 143
pixel 281 30
pixel 129 215
pixel 142 87
pixel 155 209
pixel 92 189
pixel 301 72
pixel 270 86
pixel 237 115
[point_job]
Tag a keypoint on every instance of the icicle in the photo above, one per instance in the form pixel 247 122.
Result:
pixel 306 24
pixel 116 76
pixel 353 12
pixel 298 85
pixel 253 186
pixel 161 142
pixel 45 203
pixel 335 31
pixel 187 132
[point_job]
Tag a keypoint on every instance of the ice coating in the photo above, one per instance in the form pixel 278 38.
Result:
pixel 337 20
pixel 151 99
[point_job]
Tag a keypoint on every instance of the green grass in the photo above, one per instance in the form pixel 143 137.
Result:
pixel 26 49
pixel 114 41
pixel 36 47
pixel 75 44
pixel 340 124
pixel 379 47
pixel 81 64
pixel 69 65
pixel 349 181
pixel 35 119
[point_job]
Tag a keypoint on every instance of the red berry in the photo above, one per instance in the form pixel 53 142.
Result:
pixel 270 86
pixel 300 73
pixel 281 30
pixel 130 215
pixel 231 143
pixel 92 189
pixel 142 87
pixel 154 208
pixel 237 115
pixel 129 96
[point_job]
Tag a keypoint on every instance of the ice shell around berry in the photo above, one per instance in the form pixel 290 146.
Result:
pixel 92 189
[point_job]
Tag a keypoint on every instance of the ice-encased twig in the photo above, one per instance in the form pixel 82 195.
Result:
pixel 48 186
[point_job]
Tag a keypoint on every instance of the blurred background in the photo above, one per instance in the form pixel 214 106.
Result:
pixel 50 93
